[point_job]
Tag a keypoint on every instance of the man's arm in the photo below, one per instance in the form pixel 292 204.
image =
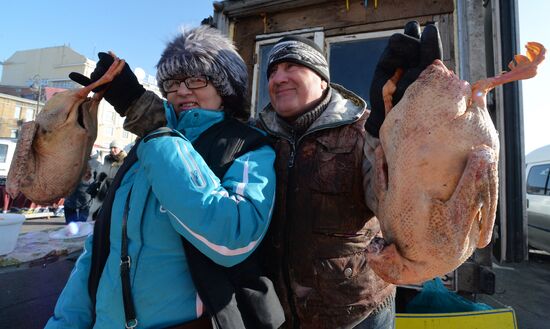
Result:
pixel 371 143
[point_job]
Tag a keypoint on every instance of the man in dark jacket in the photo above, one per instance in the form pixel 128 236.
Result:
pixel 77 204
pixel 324 217
pixel 104 176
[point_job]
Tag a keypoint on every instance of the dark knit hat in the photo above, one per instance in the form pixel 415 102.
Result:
pixel 299 50
pixel 205 51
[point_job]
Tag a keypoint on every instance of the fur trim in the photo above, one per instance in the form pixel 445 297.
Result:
pixel 204 50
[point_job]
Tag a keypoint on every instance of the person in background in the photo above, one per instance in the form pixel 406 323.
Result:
pixel 202 184
pixel 104 177
pixel 112 161
pixel 77 205
pixel 94 163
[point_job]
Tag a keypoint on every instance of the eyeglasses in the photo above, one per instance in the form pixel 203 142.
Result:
pixel 197 82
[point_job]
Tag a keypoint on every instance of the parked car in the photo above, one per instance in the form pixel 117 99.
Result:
pixel 538 198
pixel 7 148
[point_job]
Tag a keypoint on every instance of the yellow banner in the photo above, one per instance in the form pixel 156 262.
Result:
pixel 503 318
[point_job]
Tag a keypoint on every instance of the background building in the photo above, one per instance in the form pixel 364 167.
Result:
pixel 479 39
pixel 31 77
pixel 14 111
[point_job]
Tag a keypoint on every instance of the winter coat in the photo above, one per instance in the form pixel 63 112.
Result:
pixel 315 248
pixel 103 178
pixel 173 194
pixel 111 164
pixel 79 198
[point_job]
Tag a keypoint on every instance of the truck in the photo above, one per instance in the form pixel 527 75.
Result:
pixel 538 198
pixel 7 149
pixel 479 39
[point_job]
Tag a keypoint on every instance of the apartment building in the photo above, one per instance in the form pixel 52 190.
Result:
pixel 34 74
pixel 14 111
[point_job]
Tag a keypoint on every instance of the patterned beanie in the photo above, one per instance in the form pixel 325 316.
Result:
pixel 204 51
pixel 301 51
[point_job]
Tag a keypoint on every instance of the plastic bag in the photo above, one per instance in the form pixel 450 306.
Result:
pixel 436 298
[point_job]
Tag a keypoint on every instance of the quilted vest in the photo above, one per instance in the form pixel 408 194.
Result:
pixel 320 229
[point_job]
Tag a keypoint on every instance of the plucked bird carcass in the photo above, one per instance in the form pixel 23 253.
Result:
pixel 52 152
pixel 437 173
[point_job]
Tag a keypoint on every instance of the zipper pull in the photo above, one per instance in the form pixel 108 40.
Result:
pixel 292 156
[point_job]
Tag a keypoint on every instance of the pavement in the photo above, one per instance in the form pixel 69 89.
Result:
pixel 28 295
pixel 40 224
pixel 526 288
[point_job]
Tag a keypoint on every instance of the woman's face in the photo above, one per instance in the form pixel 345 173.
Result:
pixel 182 98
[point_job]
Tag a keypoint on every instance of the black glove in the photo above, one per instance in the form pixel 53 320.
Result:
pixel 101 177
pixel 409 51
pixel 121 92
pixel 93 189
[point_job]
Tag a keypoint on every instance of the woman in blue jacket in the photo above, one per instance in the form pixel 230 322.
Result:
pixel 205 177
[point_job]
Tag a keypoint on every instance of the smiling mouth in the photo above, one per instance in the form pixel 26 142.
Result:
pixel 282 91
pixel 188 105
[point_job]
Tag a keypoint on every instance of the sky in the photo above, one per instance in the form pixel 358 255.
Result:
pixel 139 30
pixel 135 30
pixel 533 16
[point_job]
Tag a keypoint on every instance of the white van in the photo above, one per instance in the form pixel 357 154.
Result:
pixel 538 198
pixel 7 148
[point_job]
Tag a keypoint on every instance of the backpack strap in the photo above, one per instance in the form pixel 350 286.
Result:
pixel 236 297
pixel 102 228
pixel 225 141
pixel 240 296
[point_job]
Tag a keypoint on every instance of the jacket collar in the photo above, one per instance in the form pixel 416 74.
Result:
pixel 345 107
pixel 193 122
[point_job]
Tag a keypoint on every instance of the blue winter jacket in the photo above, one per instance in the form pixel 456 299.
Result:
pixel 174 194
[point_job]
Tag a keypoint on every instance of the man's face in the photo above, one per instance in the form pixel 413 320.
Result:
pixel 115 150
pixel 293 89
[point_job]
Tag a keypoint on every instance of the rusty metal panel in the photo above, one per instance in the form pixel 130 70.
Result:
pixel 336 14
pixel 335 19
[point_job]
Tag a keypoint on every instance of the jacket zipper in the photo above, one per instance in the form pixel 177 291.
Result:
pixel 286 266
pixel 292 154
pixel 295 324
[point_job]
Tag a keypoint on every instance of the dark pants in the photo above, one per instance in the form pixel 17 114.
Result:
pixel 75 215
pixel 383 319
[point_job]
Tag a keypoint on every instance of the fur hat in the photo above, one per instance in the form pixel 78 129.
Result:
pixel 299 50
pixel 204 50
pixel 116 143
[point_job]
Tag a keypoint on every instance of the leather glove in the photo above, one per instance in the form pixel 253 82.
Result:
pixel 121 92
pixel 410 51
